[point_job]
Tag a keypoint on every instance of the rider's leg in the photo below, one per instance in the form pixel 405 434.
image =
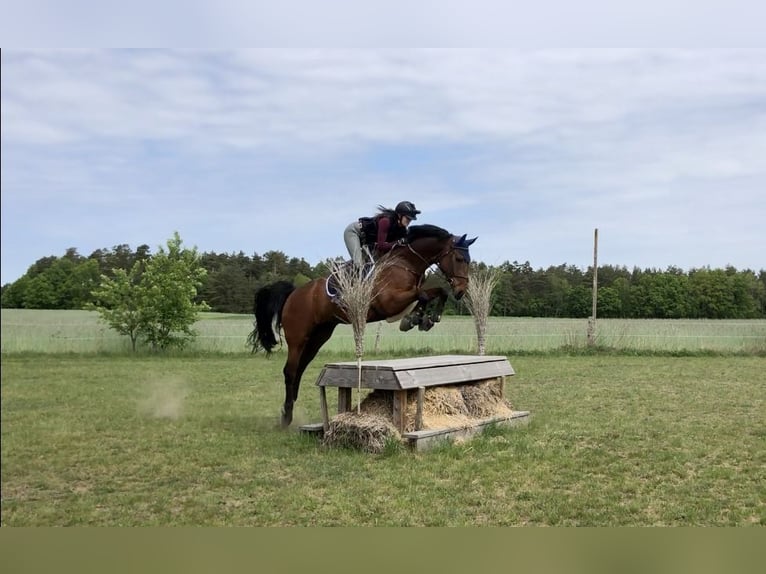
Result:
pixel 353 242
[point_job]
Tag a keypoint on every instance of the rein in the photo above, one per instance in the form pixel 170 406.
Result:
pixel 437 259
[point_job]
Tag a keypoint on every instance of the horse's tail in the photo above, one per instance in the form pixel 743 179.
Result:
pixel 267 308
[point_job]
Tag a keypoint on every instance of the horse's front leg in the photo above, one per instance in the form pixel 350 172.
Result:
pixel 434 309
pixel 418 315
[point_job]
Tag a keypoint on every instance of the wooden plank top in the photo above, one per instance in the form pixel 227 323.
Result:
pixel 420 362
pixel 409 373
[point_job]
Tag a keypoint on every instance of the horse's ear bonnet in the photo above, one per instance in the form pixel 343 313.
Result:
pixel 464 243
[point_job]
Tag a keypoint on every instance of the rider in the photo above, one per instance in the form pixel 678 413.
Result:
pixel 380 232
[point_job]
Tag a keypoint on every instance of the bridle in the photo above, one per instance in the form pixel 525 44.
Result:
pixel 437 259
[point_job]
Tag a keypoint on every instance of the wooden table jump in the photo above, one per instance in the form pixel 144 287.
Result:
pixel 401 375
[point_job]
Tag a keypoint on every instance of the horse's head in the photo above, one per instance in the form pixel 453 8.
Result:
pixel 430 244
pixel 454 263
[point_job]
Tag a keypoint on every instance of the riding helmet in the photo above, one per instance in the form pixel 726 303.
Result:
pixel 407 208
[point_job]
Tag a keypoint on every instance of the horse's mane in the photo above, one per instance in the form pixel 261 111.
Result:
pixel 423 231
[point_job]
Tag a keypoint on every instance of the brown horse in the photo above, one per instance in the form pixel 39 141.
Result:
pixel 308 316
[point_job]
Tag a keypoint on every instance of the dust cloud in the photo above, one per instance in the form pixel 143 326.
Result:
pixel 164 399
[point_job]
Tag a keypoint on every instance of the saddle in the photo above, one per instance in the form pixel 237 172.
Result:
pixel 332 286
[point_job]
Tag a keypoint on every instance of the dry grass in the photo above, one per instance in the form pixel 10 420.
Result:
pixel 485 399
pixel 478 301
pixel 368 432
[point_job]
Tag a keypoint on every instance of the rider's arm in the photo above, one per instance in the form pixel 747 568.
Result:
pixel 381 245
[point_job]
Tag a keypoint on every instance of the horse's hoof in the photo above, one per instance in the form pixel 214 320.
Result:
pixel 410 321
pixel 426 324
pixel 406 323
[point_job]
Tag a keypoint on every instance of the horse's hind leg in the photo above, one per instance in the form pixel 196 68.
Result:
pixel 318 337
pixel 293 357
pixel 292 372
pixel 298 358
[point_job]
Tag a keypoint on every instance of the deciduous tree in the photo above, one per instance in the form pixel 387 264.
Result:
pixel 155 300
pixel 120 302
pixel 169 287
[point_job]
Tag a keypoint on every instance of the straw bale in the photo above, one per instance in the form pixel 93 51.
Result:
pixel 485 399
pixel 381 403
pixel 449 406
pixel 442 407
pixel 446 400
pixel 367 432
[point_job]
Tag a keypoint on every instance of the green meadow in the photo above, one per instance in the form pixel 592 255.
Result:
pixel 669 431
pixel 137 441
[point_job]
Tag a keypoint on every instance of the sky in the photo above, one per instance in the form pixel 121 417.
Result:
pixel 663 150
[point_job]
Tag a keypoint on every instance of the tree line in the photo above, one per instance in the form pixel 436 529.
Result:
pixel 72 281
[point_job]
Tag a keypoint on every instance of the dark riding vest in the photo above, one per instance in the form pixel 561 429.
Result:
pixel 370 229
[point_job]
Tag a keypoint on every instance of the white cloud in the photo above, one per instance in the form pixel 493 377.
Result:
pixel 279 149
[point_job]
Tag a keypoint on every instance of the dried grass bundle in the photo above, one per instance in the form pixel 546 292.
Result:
pixel 356 293
pixel 366 432
pixel 478 300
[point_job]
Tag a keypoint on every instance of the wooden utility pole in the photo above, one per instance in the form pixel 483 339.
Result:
pixel 592 320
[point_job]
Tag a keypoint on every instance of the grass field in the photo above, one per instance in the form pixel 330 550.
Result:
pixel 82 332
pixel 615 440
